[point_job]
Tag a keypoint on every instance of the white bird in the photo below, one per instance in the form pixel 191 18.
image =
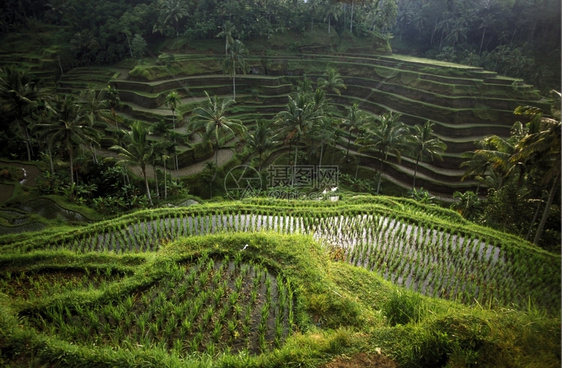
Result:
pixel 325 191
pixel 245 246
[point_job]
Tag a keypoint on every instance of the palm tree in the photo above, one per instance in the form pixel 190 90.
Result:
pixel 19 95
pixel 475 166
pixel 495 155
pixel 425 145
pixel 325 132
pixel 467 204
pixel 298 118
pixel 261 139
pixel 137 151
pixel 211 118
pixel 170 12
pixel 353 122
pixel 386 134
pixel 228 30
pixel 542 145
pixel 235 61
pixel 97 110
pixel 172 100
pixel 331 80
pixel 331 10
pixel 68 126
pixel 444 26
pixel 457 31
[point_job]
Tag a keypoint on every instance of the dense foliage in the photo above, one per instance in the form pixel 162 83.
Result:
pixel 517 38
pixel 520 38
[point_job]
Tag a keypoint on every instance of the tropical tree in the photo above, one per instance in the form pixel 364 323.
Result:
pixel 138 46
pixel 325 132
pixel 227 32
pixel 68 126
pixel 542 147
pixel 495 154
pixel 444 25
pixel 97 110
pixel 353 122
pixel 331 9
pixel 475 166
pixel 261 139
pixel 467 204
pixel 297 120
pixel 136 151
pixel 235 61
pixel 385 134
pixel 19 95
pixel 172 100
pixel 424 144
pixel 458 31
pixel 211 117
pixel 331 80
pixel 170 14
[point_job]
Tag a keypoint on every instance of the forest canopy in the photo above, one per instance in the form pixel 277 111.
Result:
pixel 518 38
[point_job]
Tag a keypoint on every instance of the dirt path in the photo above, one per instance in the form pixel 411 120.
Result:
pixel 224 155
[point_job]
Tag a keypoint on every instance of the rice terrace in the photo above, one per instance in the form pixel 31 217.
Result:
pixel 280 183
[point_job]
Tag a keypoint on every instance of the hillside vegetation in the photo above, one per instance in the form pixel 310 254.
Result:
pixel 276 283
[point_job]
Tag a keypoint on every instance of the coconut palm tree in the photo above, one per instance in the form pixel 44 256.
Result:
pixel 386 134
pixel 68 126
pixel 235 61
pixel 170 13
pixel 172 100
pixel 331 80
pixel 424 144
pixel 227 32
pixel 297 120
pixel 261 139
pixel 211 117
pixel 19 95
pixel 331 10
pixel 97 110
pixel 542 145
pixel 353 122
pixel 137 151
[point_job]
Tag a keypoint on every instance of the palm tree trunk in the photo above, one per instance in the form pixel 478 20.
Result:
pixel 348 145
pixel 380 171
pixel 351 18
pixel 51 160
pixel 165 181
pixel 156 181
pixel 415 172
pixel 146 185
pixel 535 217
pixel 176 162
pixel 295 165
pixel 27 140
pixel 234 83
pixel 546 210
pixel 71 166
pixel 482 41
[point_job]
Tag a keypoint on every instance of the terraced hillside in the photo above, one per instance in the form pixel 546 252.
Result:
pixel 466 103
pixel 255 283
